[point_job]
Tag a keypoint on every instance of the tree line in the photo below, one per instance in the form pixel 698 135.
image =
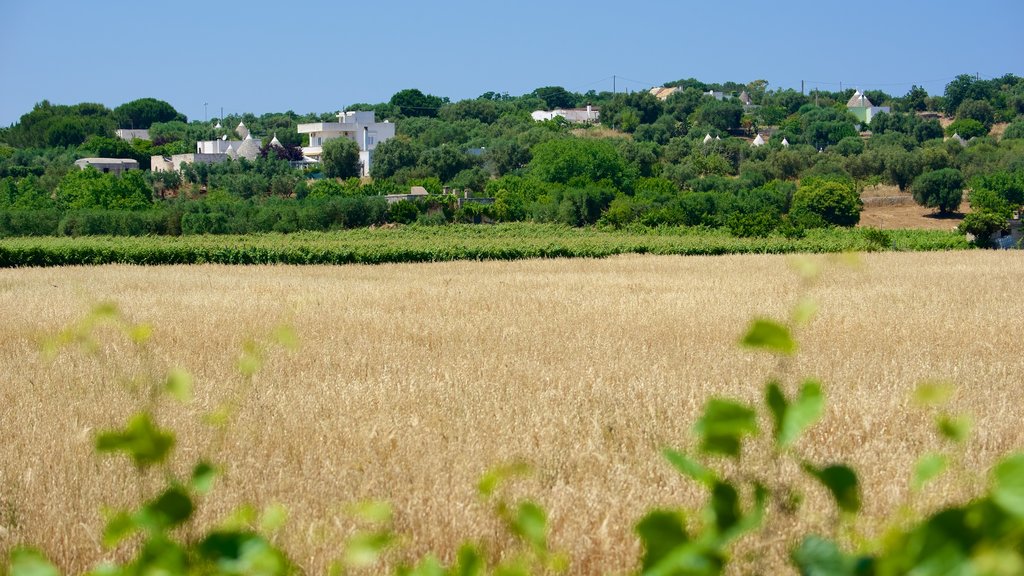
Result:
pixel 646 163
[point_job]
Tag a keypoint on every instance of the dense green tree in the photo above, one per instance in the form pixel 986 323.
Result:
pixel 142 113
pixel 823 127
pixel 721 115
pixel 982 224
pixel 942 189
pixel 555 97
pixel 789 100
pixel 826 201
pixel 340 158
pixel 914 100
pixel 569 160
pixel 485 111
pixel 49 125
pixel 104 147
pixel 979 110
pixel 627 111
pixel 506 155
pixel 967 128
pixel 1014 130
pixel 681 104
pixel 411 102
pixel 23 194
pixel 928 130
pixel 90 188
pixel 964 87
pixel 445 161
pixel 901 167
pixel 393 155
pixel 1007 185
pixel 849 146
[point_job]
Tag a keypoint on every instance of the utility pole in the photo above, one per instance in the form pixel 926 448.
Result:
pixel 613 83
pixel 206 114
pixel 801 87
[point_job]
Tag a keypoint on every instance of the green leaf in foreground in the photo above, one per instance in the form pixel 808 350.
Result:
pixel 928 468
pixel 954 429
pixel 661 532
pixel 203 476
pixel 531 523
pixel 140 440
pixel 179 385
pixel 28 562
pixel 819 557
pixel 841 482
pixel 496 476
pixel 172 508
pixel 933 393
pixel 790 420
pixel 237 552
pixel 273 518
pixel 118 527
pixel 723 426
pixel 1009 485
pixel 365 548
pixel 770 336
pixel 690 467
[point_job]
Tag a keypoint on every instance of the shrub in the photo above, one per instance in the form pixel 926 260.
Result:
pixel 982 225
pixel 403 212
pixel 28 223
pixel 967 128
pixel 821 202
pixel 1014 130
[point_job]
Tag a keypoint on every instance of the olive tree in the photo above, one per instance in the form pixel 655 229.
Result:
pixel 340 158
pixel 942 189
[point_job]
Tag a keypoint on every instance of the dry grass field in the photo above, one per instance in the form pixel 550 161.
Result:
pixel 411 380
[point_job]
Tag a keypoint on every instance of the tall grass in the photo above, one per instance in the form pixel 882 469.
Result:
pixel 411 380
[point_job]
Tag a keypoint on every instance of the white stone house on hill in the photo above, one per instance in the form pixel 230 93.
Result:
pixel 862 108
pixel 360 127
pixel 588 115
pixel 213 152
pixel 108 165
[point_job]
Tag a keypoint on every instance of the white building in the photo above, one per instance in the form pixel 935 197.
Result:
pixel 175 162
pixel 360 127
pixel 574 115
pixel 129 135
pixel 862 108
pixel 108 165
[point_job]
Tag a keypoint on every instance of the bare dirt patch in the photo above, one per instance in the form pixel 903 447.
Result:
pixel 887 208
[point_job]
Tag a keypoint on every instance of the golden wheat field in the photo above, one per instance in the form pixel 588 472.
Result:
pixel 410 381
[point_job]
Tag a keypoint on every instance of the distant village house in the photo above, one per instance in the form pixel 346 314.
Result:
pixel 360 127
pixel 115 166
pixel 862 108
pixel 588 115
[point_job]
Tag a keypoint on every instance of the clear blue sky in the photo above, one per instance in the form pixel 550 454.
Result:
pixel 319 56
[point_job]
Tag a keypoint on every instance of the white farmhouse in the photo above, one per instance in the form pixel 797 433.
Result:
pixel 862 108
pixel 575 115
pixel 360 127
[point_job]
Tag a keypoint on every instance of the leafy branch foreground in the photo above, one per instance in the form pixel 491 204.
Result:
pixel 159 535
pixel 446 243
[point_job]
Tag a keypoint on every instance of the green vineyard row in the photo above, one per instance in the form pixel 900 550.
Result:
pixel 447 243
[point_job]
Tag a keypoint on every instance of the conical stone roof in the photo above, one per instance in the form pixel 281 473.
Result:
pixel 859 100
pixel 250 148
